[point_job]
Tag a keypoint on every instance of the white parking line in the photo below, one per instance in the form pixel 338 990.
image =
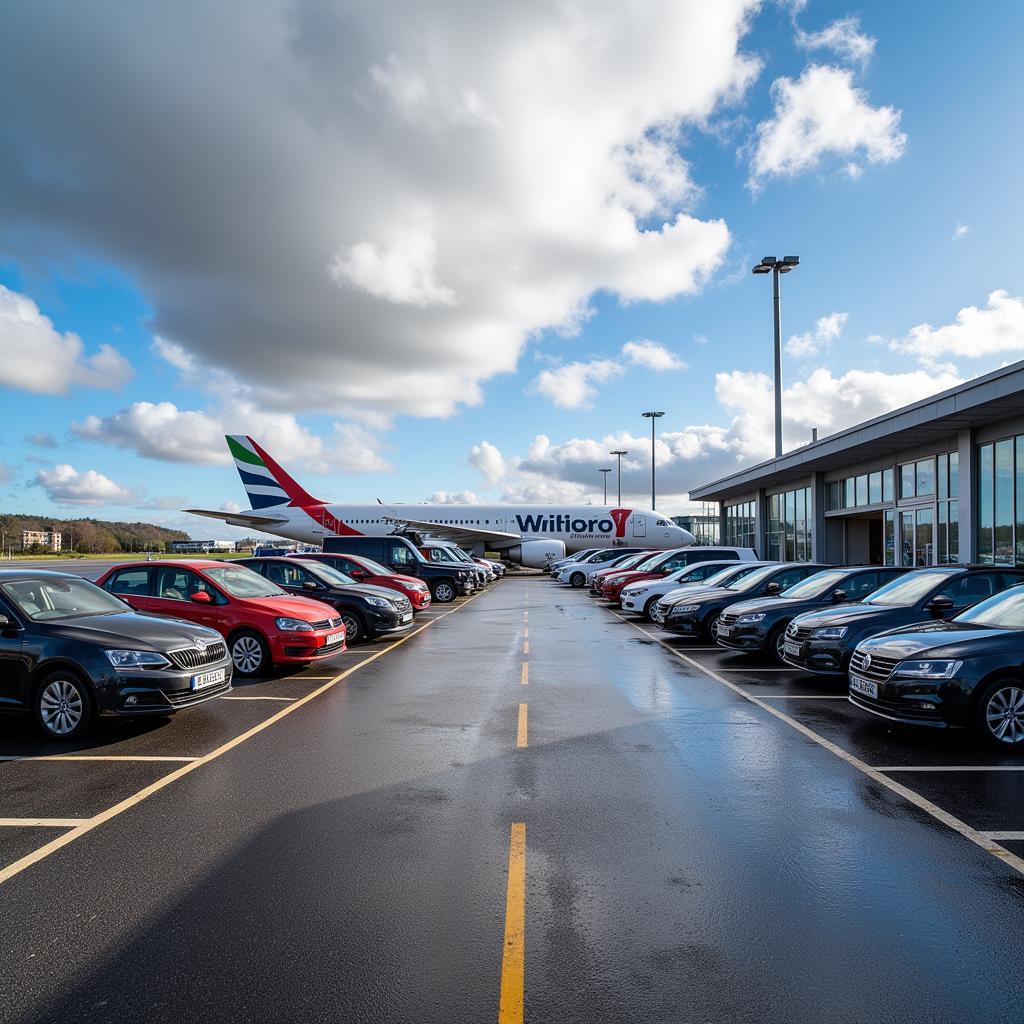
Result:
pixel 1003 835
pixel 755 670
pixel 289 699
pixel 89 757
pixel 951 768
pixel 41 822
pixel 802 696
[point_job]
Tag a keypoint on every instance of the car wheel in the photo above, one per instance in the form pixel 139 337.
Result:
pixel 444 592
pixel 354 628
pixel 999 714
pixel 649 607
pixel 249 653
pixel 577 579
pixel 711 626
pixel 777 643
pixel 63 706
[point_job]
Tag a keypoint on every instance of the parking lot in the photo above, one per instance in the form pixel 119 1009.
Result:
pixel 530 809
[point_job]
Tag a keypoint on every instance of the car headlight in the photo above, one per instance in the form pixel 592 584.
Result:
pixel 287 625
pixel 749 618
pixel 928 669
pixel 377 602
pixel 422 588
pixel 136 659
pixel 637 592
pixel 830 632
pixel 681 609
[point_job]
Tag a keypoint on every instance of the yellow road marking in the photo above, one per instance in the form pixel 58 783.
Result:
pixel 524 674
pixel 521 730
pixel 526 632
pixel 89 757
pixel 136 798
pixel 947 819
pixel 510 1006
pixel 526 648
pixel 42 822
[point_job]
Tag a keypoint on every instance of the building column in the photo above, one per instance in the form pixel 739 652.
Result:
pixel 816 514
pixel 968 497
pixel 760 524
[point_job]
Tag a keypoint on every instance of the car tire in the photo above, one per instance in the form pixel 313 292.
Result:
pixel 63 706
pixel 249 653
pixel 1000 707
pixel 444 591
pixel 355 628
pixel 649 607
pixel 776 643
pixel 711 626
pixel 577 579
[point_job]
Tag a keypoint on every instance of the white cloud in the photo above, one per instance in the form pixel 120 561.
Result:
pixel 651 355
pixel 959 231
pixel 36 357
pixel 842 37
pixel 572 386
pixel 486 458
pixel 822 114
pixel 994 330
pixel 545 140
pixel 826 331
pixel 454 498
pixel 65 485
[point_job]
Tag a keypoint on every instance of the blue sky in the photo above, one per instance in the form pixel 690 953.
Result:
pixel 372 268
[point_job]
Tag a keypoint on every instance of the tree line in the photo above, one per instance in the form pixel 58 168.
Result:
pixel 89 536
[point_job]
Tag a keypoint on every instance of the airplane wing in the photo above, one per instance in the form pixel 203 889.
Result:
pixel 458 533
pixel 244 519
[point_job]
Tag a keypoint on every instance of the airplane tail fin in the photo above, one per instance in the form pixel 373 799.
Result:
pixel 266 483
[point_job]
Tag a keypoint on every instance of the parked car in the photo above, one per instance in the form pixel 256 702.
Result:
pixel 70 650
pixel 968 672
pixel 697 616
pixel 366 570
pixel 759 626
pixel 446 580
pixel 445 553
pixel 576 573
pixel 665 562
pixel 576 556
pixel 366 611
pixel 641 597
pixel 823 641
pixel 597 576
pixel 262 624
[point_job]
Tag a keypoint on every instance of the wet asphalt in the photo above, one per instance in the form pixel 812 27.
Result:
pixel 689 857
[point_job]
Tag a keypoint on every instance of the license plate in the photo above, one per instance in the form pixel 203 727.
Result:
pixel 866 686
pixel 334 638
pixel 407 617
pixel 204 679
pixel 793 650
pixel 724 630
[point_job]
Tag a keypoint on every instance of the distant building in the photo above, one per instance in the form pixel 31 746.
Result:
pixel 704 527
pixel 49 539
pixel 199 547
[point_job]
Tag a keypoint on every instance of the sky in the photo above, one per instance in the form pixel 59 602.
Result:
pixel 452 251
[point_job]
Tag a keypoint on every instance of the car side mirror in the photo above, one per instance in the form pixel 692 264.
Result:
pixel 4 622
pixel 839 596
pixel 773 588
pixel 201 597
pixel 309 585
pixel 939 605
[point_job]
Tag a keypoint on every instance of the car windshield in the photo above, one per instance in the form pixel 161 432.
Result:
pixel 44 600
pixel 649 561
pixel 752 578
pixel 815 586
pixel 907 590
pixel 329 574
pixel 442 555
pixel 628 561
pixel 1003 611
pixel 239 581
pixel 372 567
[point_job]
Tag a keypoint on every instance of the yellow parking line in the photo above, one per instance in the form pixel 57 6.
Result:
pixel 89 757
pixel 89 824
pixel 524 674
pixel 42 822
pixel 526 648
pixel 526 632
pixel 510 1005
pixel 521 730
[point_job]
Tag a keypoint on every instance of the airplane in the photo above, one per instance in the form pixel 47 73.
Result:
pixel 530 535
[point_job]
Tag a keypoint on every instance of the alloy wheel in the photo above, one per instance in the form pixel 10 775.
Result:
pixel 61 707
pixel 353 629
pixel 1004 714
pixel 444 593
pixel 247 654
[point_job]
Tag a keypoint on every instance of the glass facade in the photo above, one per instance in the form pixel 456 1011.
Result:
pixel 1001 502
pixel 789 525
pixel 740 525
pixel 858 491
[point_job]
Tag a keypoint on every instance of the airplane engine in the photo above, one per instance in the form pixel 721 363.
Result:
pixel 536 554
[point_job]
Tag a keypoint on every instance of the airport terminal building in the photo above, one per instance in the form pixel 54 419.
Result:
pixel 933 483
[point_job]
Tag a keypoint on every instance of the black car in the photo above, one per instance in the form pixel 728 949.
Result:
pixel 366 611
pixel 69 651
pixel 965 673
pixel 823 641
pixel 759 626
pixel 698 616
pixel 399 554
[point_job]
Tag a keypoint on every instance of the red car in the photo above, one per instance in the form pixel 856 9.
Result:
pixel 653 567
pixel 366 570
pixel 260 622
pixel 627 562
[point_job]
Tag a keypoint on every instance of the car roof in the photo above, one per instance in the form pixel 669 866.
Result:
pixel 181 563
pixel 9 575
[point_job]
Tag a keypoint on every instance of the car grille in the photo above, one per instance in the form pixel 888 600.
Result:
pixel 879 670
pixel 403 604
pixel 326 624
pixel 798 633
pixel 195 657
pixel 726 619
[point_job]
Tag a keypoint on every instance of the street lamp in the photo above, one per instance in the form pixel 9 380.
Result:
pixel 605 472
pixel 773 266
pixel 653 417
pixel 618 455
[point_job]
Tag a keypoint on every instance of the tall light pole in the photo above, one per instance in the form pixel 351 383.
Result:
pixel 653 417
pixel 773 266
pixel 605 472
pixel 618 455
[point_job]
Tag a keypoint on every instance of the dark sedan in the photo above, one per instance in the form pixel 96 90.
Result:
pixel 759 626
pixel 823 641
pixel 965 673
pixel 366 611
pixel 698 616
pixel 69 651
